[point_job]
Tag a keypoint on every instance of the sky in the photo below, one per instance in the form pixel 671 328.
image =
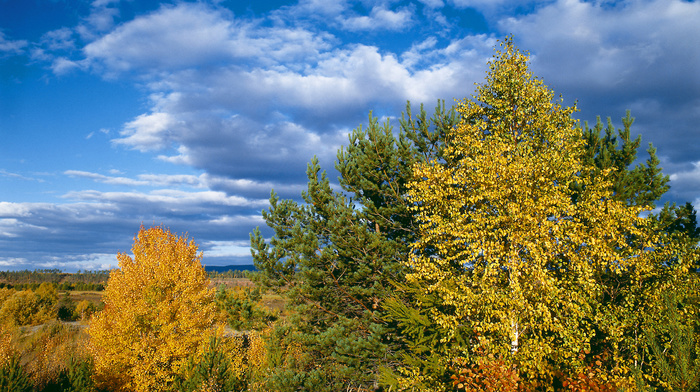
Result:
pixel 121 113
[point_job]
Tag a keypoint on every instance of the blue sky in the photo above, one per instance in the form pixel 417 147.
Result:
pixel 182 113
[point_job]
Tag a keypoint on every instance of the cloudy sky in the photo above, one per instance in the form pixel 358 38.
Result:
pixel 117 113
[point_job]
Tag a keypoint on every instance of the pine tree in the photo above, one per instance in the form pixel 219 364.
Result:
pixel 339 254
pixel 642 185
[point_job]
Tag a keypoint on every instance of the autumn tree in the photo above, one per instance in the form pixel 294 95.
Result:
pixel 520 232
pixel 158 312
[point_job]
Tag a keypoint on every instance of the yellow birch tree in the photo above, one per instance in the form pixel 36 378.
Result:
pixel 158 312
pixel 503 244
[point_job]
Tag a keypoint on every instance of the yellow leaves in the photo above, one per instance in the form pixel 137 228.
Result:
pixel 158 311
pixel 502 207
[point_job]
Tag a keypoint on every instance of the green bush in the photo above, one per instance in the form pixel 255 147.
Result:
pixel 210 371
pixel 13 378
pixel 243 308
pixel 76 377
pixel 66 310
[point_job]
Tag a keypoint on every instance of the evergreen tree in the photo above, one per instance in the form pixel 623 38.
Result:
pixel 642 185
pixel 339 254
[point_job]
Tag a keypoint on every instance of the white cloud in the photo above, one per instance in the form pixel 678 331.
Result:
pixel 177 36
pixel 8 209
pixel 13 227
pixel 14 263
pixel 248 186
pixel 226 248
pixel 104 179
pixel 685 184
pixel 613 45
pixel 380 18
pixel 102 17
pixel 152 180
pixel 277 116
pixel 87 262
pixel 692 175
pixel 639 55
pixel 237 220
pixel 5 173
pixel 11 46
pixel 148 132
pixel 60 39
pixel 63 65
pixel 195 35
pixel 164 200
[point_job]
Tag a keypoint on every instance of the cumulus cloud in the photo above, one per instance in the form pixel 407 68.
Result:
pixel 276 116
pixel 196 35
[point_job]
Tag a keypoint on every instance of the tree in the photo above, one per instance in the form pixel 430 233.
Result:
pixel 520 232
pixel 158 312
pixel 339 254
pixel 642 185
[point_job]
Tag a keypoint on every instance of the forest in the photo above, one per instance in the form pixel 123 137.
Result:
pixel 496 245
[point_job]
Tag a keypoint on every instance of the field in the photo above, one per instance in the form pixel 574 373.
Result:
pixel 271 301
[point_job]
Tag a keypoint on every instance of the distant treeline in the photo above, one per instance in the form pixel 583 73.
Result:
pixel 62 280
pixel 92 280
pixel 229 271
pixel 65 286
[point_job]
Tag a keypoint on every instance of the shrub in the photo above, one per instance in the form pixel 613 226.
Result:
pixel 66 309
pixel 13 378
pixel 27 308
pixel 488 374
pixel 213 370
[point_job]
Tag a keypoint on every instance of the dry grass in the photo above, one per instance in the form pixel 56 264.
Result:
pixel 92 296
pixel 230 283
pixel 274 302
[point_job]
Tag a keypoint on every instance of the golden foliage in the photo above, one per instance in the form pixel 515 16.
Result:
pixel 27 307
pixel 85 309
pixel 503 243
pixel 158 312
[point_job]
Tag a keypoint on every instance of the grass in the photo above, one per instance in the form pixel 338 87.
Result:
pixel 77 296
